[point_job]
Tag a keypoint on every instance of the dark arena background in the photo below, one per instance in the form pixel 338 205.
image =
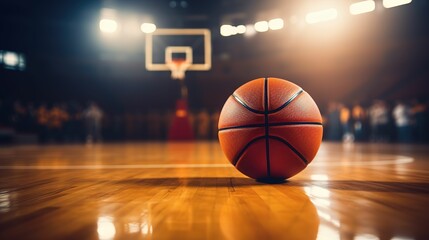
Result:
pixel 109 115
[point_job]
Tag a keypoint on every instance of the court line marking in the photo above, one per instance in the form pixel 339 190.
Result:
pixel 399 160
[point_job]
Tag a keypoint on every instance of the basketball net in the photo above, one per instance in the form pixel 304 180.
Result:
pixel 178 68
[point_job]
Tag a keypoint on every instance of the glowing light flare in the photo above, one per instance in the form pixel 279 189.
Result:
pixel 328 232
pixel 395 3
pixel 366 237
pixel 321 16
pixel 276 24
pixel 316 191
pixel 10 59
pixel 241 29
pixel 320 202
pixel 108 25
pixel 228 30
pixel 148 27
pixel 105 228
pixel 319 177
pixel 261 26
pixel 362 7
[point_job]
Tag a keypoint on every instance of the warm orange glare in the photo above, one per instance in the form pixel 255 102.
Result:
pixel 181 113
pixel 362 7
pixel 321 16
pixel 394 3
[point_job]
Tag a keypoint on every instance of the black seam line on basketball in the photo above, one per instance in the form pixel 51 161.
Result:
pixel 287 102
pixel 291 148
pixel 271 125
pixel 267 128
pixel 245 148
pixel 239 100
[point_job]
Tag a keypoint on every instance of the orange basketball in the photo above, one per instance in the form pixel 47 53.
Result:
pixel 270 129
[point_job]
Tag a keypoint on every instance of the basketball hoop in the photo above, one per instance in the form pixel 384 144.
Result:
pixel 178 68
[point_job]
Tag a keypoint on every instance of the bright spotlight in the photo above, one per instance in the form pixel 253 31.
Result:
pixel 362 7
pixel 148 27
pixel 321 16
pixel 241 29
pixel 394 3
pixel 276 24
pixel 261 26
pixel 11 59
pixel 108 25
pixel 228 30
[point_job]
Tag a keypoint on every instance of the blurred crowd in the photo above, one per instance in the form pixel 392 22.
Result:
pixel 401 121
pixel 77 123
pixel 59 122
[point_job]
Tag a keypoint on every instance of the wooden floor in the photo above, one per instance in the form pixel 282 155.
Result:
pixel 190 191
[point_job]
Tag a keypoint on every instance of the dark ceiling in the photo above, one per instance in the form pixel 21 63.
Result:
pixel 383 54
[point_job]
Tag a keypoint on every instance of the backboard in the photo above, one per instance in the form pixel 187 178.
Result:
pixel 178 50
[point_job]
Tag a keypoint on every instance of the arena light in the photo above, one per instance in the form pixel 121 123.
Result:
pixel 321 16
pixel 394 3
pixel 241 29
pixel 108 25
pixel 228 30
pixel 261 26
pixel 11 59
pixel 148 27
pixel 276 24
pixel 362 7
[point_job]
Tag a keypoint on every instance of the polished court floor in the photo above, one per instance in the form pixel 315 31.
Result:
pixel 190 191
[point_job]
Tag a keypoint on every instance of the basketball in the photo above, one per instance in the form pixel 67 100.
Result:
pixel 270 129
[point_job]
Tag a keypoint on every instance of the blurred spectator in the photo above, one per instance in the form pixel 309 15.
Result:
pixel 420 112
pixel 57 118
pixel 214 120
pixel 379 120
pixel 167 121
pixel 403 120
pixel 74 126
pixel 3 114
pixel 29 119
pixel 345 123
pixel 154 125
pixel 359 122
pixel 42 119
pixel 6 132
pixel 117 127
pixel 130 125
pixel 203 124
pixel 333 122
pixel 19 116
pixel 93 116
